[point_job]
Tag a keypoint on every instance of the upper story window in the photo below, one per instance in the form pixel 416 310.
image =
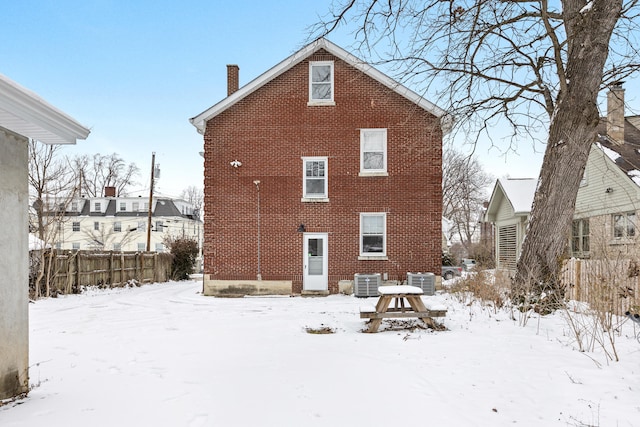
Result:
pixel 75 226
pixel 624 225
pixel 373 151
pixel 373 234
pixel 135 206
pixel 96 207
pixel 74 206
pixel 315 185
pixel 117 226
pixel 96 226
pixel 321 82
pixel 123 206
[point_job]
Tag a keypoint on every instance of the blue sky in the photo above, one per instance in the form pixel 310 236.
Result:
pixel 136 71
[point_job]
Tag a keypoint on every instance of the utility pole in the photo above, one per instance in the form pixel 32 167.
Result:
pixel 153 166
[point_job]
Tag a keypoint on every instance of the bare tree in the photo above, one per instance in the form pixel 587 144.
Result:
pixel 51 189
pixel 534 64
pixel 464 185
pixel 195 196
pixel 51 185
pixel 96 172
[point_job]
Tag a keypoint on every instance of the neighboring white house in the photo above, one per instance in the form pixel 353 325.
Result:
pixel 23 115
pixel 121 223
pixel 608 200
pixel 509 210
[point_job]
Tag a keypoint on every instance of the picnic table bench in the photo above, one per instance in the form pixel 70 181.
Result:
pixel 408 303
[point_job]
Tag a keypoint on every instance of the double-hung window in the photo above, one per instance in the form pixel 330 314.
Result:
pixel 117 226
pixel 75 226
pixel 624 225
pixel 373 234
pixel 321 82
pixel 315 177
pixel 373 151
pixel 580 238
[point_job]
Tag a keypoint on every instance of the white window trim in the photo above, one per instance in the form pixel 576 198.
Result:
pixel 373 172
pixel 625 238
pixel 373 256
pixel 331 101
pixel 323 198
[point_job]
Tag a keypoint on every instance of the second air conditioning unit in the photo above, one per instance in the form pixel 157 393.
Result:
pixel 424 281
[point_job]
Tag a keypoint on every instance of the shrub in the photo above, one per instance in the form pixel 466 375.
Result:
pixel 185 252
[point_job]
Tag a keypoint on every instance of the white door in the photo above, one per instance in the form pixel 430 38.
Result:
pixel 315 276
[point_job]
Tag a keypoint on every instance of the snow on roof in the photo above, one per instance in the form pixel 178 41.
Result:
pixel 35 243
pixel 609 152
pixel 635 176
pixel 520 192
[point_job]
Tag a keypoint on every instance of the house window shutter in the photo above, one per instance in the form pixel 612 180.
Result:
pixel 507 246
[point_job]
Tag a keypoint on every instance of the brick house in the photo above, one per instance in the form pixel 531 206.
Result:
pixel 320 168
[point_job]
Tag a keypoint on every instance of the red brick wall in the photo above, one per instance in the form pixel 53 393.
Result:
pixel 270 130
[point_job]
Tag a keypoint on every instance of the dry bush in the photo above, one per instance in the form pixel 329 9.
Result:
pixel 487 287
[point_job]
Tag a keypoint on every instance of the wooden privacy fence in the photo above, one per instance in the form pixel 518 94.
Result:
pixel 68 271
pixel 607 285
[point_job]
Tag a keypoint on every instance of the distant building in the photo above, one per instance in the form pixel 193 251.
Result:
pixel 113 223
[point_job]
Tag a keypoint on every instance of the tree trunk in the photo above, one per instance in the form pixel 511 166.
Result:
pixel 571 135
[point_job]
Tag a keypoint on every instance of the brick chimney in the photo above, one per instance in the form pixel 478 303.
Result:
pixel 109 191
pixel 233 81
pixel 615 113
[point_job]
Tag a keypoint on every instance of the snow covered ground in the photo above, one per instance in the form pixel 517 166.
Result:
pixel 164 355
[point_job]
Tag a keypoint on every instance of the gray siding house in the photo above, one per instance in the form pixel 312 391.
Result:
pixel 23 115
pixel 607 203
pixel 509 210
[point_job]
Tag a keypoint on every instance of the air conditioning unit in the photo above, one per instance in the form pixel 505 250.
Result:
pixel 424 281
pixel 366 285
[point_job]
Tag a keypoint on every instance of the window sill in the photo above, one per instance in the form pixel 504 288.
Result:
pixel 318 103
pixel 315 200
pixel 373 258
pixel 365 174
pixel 622 241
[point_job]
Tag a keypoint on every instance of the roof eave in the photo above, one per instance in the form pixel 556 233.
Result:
pixel 24 112
pixel 200 120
